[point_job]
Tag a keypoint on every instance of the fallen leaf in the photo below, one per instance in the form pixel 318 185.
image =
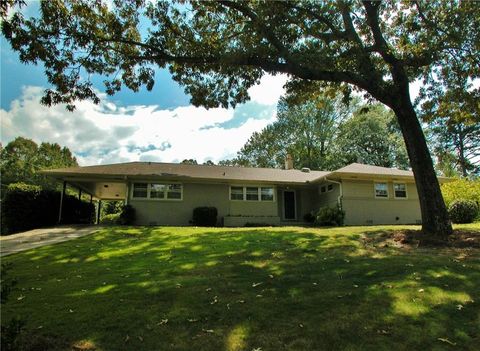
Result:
pixel 270 276
pixel 214 301
pixel 208 331
pixel 140 338
pixel 20 298
pixel 208 289
pixel 126 339
pixel 459 307
pixel 241 301
pixel 162 322
pixel 70 310
pixel 256 284
pixel 300 325
pixel 192 320
pixel 447 341
pixel 421 290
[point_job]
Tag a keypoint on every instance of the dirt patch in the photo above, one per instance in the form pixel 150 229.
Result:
pixel 408 238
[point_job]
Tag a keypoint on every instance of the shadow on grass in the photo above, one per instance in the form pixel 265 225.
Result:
pixel 240 289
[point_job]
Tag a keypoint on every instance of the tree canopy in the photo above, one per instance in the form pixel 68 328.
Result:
pixel 22 158
pixel 218 49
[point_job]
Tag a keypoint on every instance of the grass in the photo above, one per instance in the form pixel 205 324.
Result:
pixel 167 288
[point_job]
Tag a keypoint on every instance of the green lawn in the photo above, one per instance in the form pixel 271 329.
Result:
pixel 169 288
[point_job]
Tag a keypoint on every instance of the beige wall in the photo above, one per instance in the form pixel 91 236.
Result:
pixel 358 201
pixel 329 198
pixel 362 208
pixel 179 212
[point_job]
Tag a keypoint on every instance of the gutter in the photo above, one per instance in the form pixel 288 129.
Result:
pixel 339 199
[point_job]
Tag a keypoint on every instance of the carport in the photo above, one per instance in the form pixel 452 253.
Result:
pixel 98 187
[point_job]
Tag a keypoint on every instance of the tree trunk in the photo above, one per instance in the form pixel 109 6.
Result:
pixel 436 225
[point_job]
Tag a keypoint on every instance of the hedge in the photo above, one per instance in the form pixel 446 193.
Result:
pixel 205 216
pixel 26 207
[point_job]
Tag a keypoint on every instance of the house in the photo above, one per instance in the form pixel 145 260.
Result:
pixel 167 193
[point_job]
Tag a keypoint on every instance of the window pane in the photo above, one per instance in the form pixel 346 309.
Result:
pixel 330 187
pixel 236 193
pixel 140 190
pixel 252 193
pixel 323 189
pixel 157 191
pixel 267 194
pixel 381 190
pixel 400 190
pixel 174 191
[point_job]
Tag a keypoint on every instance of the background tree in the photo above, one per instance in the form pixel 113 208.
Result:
pixel 371 136
pixel 305 129
pixel 22 158
pixel 219 49
pixel 190 161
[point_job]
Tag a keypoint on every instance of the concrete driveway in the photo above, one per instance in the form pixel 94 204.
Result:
pixel 40 237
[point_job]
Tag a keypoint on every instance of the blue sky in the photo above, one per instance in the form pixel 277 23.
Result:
pixel 160 125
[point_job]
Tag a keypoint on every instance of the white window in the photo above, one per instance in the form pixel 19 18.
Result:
pixel 174 191
pixel 381 190
pixel 400 190
pixel 157 191
pixel 252 193
pixel 267 194
pixel 236 193
pixel 140 190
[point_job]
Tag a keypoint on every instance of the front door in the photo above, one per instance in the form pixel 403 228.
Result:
pixel 289 205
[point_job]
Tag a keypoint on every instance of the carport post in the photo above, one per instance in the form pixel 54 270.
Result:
pixel 98 211
pixel 61 201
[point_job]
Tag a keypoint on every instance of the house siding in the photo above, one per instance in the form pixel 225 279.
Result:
pixel 362 208
pixel 179 212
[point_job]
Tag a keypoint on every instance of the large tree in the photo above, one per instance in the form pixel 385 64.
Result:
pixel 219 49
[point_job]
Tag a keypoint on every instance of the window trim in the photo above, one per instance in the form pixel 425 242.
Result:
pixel 165 192
pixel 375 190
pixel 259 192
pixel 406 191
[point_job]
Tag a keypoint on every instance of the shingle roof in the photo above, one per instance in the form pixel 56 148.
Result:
pixel 359 168
pixel 184 171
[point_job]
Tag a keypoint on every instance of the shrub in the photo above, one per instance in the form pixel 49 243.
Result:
pixel 330 216
pixel 26 207
pixel 463 211
pixel 127 216
pixel 113 218
pixel 309 217
pixel 205 216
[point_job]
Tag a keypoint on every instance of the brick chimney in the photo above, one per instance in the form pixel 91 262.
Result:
pixel 288 162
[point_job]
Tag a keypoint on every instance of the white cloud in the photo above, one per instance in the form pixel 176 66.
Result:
pixel 269 90
pixel 106 133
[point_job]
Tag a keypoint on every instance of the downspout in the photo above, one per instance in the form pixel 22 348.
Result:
pixel 339 199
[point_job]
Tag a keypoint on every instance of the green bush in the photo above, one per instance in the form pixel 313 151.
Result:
pixel 26 207
pixel 463 211
pixel 113 218
pixel 205 216
pixel 330 216
pixel 309 218
pixel 127 216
